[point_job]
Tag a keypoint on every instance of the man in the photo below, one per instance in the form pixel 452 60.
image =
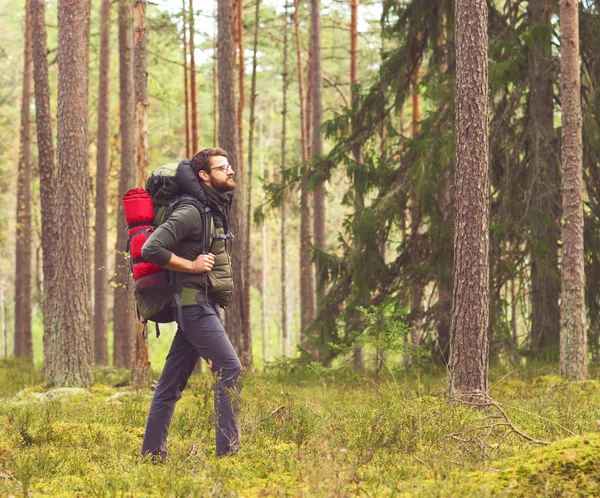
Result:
pixel 203 283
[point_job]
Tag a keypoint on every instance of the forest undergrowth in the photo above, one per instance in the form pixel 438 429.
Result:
pixel 307 431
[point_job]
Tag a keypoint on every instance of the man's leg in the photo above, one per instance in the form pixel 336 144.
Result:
pixel 179 366
pixel 204 330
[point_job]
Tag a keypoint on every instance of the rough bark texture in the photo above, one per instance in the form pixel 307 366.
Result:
pixel 23 338
pixel 307 281
pixel 193 87
pixel 285 340
pixel 468 367
pixel 228 139
pixel 141 373
pixel 317 118
pixel 124 305
pixel 102 166
pixel 247 332
pixel 573 336
pixel 71 338
pixel 46 166
pixel 545 203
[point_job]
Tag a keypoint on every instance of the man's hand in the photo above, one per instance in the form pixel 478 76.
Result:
pixel 203 263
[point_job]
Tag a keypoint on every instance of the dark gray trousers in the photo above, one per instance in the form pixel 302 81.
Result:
pixel 203 336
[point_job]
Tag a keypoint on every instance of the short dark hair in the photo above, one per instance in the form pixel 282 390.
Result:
pixel 201 161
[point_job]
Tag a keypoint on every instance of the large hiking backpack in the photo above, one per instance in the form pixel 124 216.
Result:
pixel 145 210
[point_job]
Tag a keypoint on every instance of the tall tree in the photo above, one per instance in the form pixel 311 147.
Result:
pixel 468 366
pixel 193 86
pixel 102 167
pixel 186 80
pixel 23 338
pixel 283 207
pixel 317 118
pixel 307 281
pixel 247 333
pixel 573 336
pixel 124 305
pixel 141 373
pixel 71 338
pixel 228 139
pixel 215 82
pixel 46 166
pixel 545 280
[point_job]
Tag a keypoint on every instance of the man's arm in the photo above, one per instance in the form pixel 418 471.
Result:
pixel 181 224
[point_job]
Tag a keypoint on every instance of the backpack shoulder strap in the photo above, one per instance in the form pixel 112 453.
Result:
pixel 205 214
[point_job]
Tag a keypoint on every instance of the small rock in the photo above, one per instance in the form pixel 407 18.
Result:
pixel 60 392
pixel 120 394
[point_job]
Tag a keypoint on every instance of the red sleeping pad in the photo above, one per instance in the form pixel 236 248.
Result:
pixel 139 214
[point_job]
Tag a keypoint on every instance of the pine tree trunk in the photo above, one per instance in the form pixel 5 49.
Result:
pixel 186 79
pixel 215 84
pixel 193 86
pixel 545 280
pixel 573 333
pixel 285 340
pixel 23 338
pixel 247 335
pixel 102 167
pixel 239 20
pixel 124 305
pixel 468 367
pixel 265 257
pixel 317 118
pixel 228 140
pixel 71 338
pixel 46 166
pixel 141 373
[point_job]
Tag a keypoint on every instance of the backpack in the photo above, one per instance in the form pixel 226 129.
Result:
pixel 145 210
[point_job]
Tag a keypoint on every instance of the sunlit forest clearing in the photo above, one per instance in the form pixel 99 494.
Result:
pixel 300 248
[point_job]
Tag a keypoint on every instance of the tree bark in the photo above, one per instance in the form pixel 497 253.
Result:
pixel 317 118
pixel 307 282
pixel 71 343
pixel 247 333
pixel 23 346
pixel 46 167
pixel 285 340
pixel 102 167
pixel 545 280
pixel 228 140
pixel 193 87
pixel 215 84
pixel 141 373
pixel 124 304
pixel 468 367
pixel 186 79
pixel 573 334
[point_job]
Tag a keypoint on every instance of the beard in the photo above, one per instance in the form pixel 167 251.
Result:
pixel 223 186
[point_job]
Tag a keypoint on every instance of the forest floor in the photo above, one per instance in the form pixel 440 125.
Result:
pixel 307 432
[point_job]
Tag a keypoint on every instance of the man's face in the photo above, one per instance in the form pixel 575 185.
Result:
pixel 221 174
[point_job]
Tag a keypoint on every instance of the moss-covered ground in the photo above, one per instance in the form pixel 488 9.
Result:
pixel 307 432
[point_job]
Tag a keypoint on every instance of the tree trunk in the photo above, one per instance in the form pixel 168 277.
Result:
pixel 573 334
pixel 193 87
pixel 265 257
pixel 215 84
pixel 141 373
pixel 239 21
pixel 102 167
pixel 228 140
pixel 23 338
pixel 247 333
pixel 46 166
pixel 317 118
pixel 307 282
pixel 71 338
pixel 186 80
pixel 124 304
pixel 468 367
pixel 545 280
pixel 285 340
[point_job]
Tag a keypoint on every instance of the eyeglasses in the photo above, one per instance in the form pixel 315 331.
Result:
pixel 224 168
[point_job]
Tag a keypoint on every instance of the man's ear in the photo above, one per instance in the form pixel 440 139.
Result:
pixel 203 176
